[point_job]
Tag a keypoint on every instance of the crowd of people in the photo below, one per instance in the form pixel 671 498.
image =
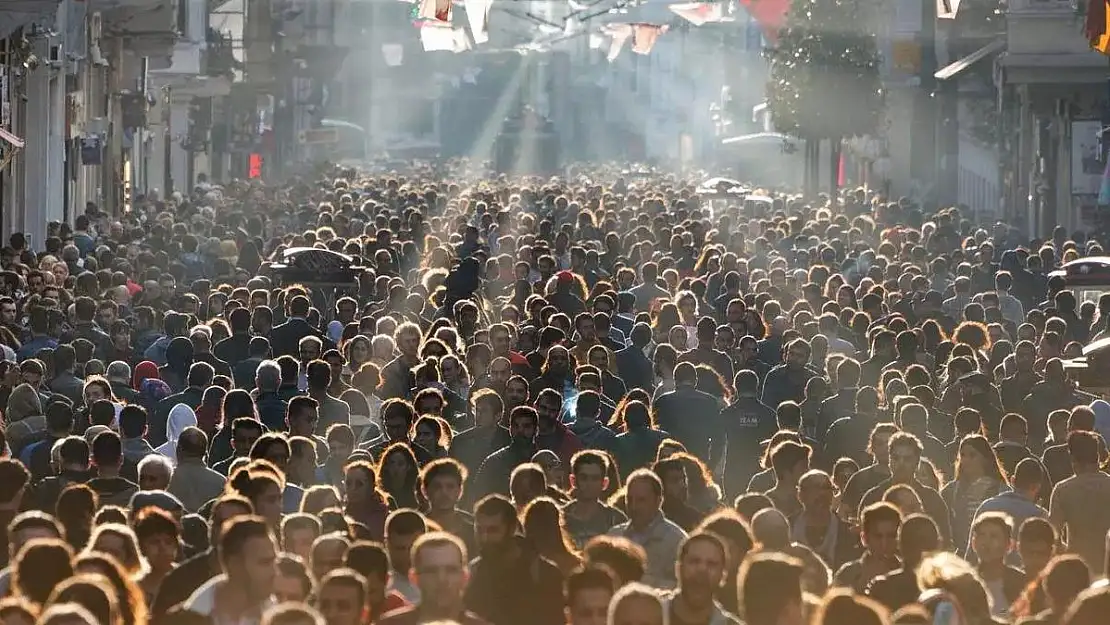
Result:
pixel 572 401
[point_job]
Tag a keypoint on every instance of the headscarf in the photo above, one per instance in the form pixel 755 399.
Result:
pixel 152 391
pixel 145 370
pixel 180 417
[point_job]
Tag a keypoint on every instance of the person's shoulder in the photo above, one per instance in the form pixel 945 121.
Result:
pixel 399 616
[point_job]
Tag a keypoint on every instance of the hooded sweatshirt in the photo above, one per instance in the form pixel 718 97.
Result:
pixel 181 417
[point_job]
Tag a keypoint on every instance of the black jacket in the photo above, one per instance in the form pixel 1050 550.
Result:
pixel 746 423
pixel 635 368
pixel 285 339
pixel 235 348
pixel 536 585
pixel 691 417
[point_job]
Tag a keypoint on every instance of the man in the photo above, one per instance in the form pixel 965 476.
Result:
pixel 489 433
pixel 245 371
pixel 588 425
pixel 1020 502
pixel 705 354
pixel 648 291
pixel 789 462
pixel 586 515
pixel 245 431
pixel 247 553
pixel 65 383
pixel 199 379
pixel 59 425
pixel 193 482
pixel 266 379
pixel 771 584
pixel 1012 446
pixel 880 523
pixel 551 432
pixel 402 528
pixel 74 454
pixel 700 571
pixel 154 473
pixel 442 481
pixel 235 348
pixel 341 598
pixel 202 351
pixel 817 527
pixel 676 493
pixel 507 561
pixel 331 410
pixel 842 403
pixel 191 574
pixel 1014 388
pixel 396 376
pixel 132 429
pixel 647 527
pixel 787 382
pixel 689 415
pixel 285 338
pixel 494 471
pixel 24 528
pixel 84 327
pixel 745 423
pixel 107 457
pixel 38 320
pixel 293 582
pixel 439 570
pixel 302 415
pixel 992 537
pixel 274 447
pixel 904 457
pixel 589 591
pixel 1072 507
pixel 633 365
pixel 916 537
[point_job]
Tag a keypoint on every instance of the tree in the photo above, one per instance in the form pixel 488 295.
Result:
pixel 824 79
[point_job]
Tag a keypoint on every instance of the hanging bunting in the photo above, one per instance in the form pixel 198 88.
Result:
pixel 477 15
pixel 698 13
pixel 619 33
pixel 432 11
pixel 770 15
pixel 644 37
pixel 437 37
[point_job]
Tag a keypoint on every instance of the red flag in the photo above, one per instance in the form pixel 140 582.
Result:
pixel 770 15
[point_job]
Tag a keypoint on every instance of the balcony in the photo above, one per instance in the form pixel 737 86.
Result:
pixel 17 13
pixel 149 26
pixel 1045 45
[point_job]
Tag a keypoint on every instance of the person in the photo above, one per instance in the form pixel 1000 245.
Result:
pixel 523 425
pixel 506 560
pixel 647 527
pixel 689 415
pixel 440 570
pixel 441 482
pixel 880 524
pixel 746 422
pixel 700 572
pixel 991 540
pixel 342 597
pixel 586 515
pixel 193 482
pixel 1069 508
pixel 771 584
pixel 1061 582
pixel 589 591
pixel 904 458
pixel 917 537
pixel 245 587
pixel 817 527
pixel 1020 502
pixel 107 457
pixel 636 604
pixel 402 528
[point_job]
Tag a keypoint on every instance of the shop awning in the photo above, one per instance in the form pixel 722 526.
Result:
pixel 954 69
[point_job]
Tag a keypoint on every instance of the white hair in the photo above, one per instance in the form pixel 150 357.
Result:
pixel 153 459
pixel 268 376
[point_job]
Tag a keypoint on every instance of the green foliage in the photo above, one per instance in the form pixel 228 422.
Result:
pixel 824 79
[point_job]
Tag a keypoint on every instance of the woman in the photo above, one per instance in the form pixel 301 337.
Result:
pixel 687 304
pixel 180 417
pixel 978 477
pixel 663 362
pixel 132 603
pixel 357 352
pixel 118 541
pixel 398 476
pixel 264 490
pixel 210 413
pixel 364 503
pixel 1046 598
pixel 159 535
pixel 545 530
pixel 433 434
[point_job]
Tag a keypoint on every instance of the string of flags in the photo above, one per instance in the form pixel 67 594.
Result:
pixel 435 21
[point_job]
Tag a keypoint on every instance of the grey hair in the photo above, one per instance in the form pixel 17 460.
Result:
pixel 119 370
pixel 268 376
pixel 635 590
pixel 152 459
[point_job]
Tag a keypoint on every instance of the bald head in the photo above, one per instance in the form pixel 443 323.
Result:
pixel 771 529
